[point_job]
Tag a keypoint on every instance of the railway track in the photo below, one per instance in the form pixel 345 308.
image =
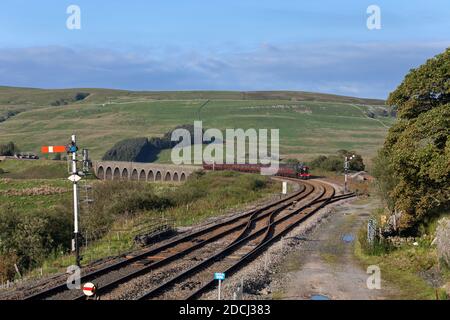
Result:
pixel 178 247
pixel 191 283
pixel 183 264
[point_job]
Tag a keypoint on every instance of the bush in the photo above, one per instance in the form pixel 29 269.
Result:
pixel 331 163
pixel 31 237
pixel 131 203
pixel 357 163
pixel 255 183
pixel 190 193
pixel 114 200
pixel 386 179
pixel 336 162
pixel 7 270
pixel 81 96
pixel 9 114
pixel 317 162
pixel 377 248
pixel 8 149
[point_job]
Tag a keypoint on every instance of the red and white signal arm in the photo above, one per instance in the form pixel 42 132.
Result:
pixel 89 289
pixel 53 149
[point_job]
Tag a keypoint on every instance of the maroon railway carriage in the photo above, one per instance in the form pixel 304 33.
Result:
pixel 299 171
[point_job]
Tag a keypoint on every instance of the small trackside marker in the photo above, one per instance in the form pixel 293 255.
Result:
pixel 74 178
pixel 89 289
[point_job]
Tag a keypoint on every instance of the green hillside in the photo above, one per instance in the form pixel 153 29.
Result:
pixel 309 123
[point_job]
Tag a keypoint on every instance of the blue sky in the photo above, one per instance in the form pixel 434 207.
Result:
pixel 321 45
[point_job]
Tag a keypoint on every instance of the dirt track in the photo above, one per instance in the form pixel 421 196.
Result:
pixel 324 264
pixel 317 258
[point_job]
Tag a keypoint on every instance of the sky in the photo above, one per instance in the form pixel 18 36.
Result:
pixel 320 46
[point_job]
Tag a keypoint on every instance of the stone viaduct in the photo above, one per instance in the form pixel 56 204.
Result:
pixel 138 171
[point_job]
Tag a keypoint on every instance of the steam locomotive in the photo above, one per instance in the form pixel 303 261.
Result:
pixel 299 171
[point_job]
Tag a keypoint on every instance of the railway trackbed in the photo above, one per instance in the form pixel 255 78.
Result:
pixel 183 268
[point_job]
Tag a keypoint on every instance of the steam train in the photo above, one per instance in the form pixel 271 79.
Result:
pixel 298 171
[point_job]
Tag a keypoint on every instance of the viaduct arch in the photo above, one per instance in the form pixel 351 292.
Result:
pixel 137 171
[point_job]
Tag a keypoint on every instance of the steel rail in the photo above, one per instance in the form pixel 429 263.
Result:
pixel 148 267
pixel 255 252
pixel 253 216
pixel 253 219
pixel 143 255
pixel 219 256
pixel 265 243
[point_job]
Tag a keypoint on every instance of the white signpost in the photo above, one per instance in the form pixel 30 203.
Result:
pixel 284 191
pixel 220 277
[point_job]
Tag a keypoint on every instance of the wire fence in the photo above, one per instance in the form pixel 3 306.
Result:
pixel 121 239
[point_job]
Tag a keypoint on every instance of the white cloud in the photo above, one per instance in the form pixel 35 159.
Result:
pixel 363 69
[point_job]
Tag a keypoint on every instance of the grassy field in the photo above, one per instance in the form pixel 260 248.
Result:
pixel 32 169
pixel 310 124
pixel 37 97
pixel 121 210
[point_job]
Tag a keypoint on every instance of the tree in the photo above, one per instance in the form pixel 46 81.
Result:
pixel 423 88
pixel 356 163
pixel 336 162
pixel 143 149
pixel 134 149
pixel 8 149
pixel 413 167
pixel 57 156
pixel 81 96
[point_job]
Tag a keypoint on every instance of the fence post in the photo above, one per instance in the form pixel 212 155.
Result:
pixel 17 270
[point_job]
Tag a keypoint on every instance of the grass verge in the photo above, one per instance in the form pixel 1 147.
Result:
pixel 119 213
pixel 412 269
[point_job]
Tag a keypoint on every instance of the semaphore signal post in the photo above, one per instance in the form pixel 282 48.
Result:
pixel 75 176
